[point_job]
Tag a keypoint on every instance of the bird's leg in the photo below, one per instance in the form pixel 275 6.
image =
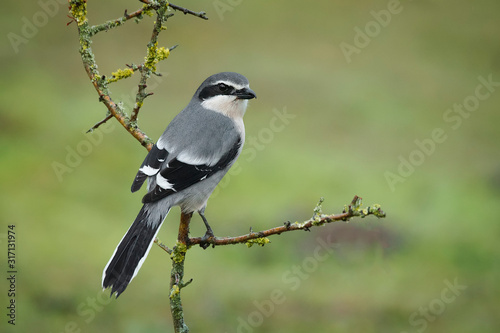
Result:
pixel 204 240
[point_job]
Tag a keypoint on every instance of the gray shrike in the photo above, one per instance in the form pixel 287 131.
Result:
pixel 183 168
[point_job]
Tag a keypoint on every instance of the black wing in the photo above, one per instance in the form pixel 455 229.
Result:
pixel 177 175
pixel 150 166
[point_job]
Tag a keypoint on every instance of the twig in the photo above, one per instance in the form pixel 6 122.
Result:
pixel 187 11
pixel 162 246
pixel 178 254
pixel 179 8
pixel 119 21
pixel 354 209
pixel 78 9
pixel 99 123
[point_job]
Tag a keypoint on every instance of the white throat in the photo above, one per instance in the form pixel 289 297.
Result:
pixel 228 105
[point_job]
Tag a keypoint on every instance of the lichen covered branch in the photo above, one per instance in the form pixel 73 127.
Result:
pixel 178 257
pixel 352 210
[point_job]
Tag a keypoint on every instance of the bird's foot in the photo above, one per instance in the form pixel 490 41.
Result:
pixel 205 240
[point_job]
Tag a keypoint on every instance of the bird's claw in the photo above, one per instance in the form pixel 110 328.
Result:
pixel 205 240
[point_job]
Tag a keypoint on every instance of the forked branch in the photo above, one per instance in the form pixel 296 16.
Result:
pixel 78 11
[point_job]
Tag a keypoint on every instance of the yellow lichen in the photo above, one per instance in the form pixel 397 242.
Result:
pixel 121 74
pixel 78 11
pixel 155 55
pixel 260 241
pixel 147 10
pixel 179 252
pixel 174 291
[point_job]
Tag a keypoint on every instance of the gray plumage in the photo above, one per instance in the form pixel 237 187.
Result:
pixel 183 168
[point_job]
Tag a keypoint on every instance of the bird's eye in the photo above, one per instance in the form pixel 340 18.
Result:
pixel 223 87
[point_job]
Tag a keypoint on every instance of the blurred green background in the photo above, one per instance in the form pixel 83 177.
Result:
pixel 363 87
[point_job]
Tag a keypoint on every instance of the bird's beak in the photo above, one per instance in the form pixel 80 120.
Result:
pixel 245 93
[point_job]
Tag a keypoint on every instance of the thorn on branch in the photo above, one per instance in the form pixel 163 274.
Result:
pixel 99 123
pixel 201 15
pixel 72 19
pixel 185 284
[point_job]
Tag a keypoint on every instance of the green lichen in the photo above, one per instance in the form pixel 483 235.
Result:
pixel 259 241
pixel 374 209
pixel 356 210
pixel 318 221
pixel 121 74
pixel 318 213
pixel 148 10
pixel 354 207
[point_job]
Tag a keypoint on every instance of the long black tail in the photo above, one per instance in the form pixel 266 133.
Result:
pixel 133 249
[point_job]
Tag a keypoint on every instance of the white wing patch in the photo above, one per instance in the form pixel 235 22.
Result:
pixel 163 183
pixel 149 171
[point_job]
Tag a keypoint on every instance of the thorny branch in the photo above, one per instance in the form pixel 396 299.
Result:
pixel 318 219
pixel 78 11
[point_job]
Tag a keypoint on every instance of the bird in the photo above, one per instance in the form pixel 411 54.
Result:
pixel 183 168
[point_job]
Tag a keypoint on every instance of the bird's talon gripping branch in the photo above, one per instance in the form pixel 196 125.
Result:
pixel 206 240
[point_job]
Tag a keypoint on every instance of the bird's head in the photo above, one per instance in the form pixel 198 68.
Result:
pixel 227 93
